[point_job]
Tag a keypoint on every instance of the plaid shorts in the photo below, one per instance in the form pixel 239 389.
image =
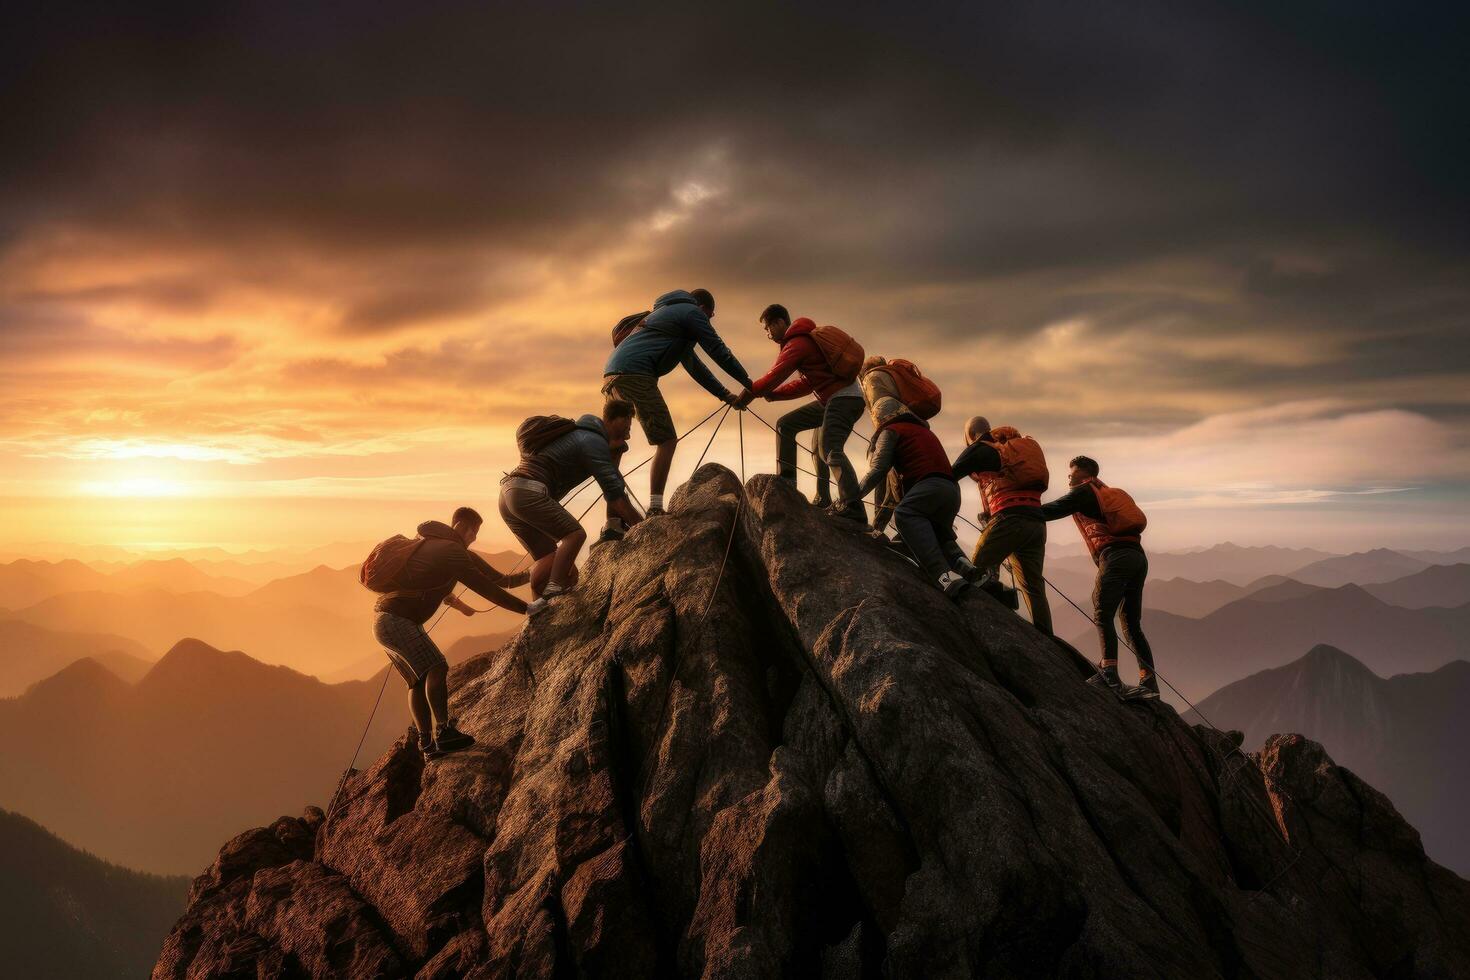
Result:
pixel 408 647
pixel 651 409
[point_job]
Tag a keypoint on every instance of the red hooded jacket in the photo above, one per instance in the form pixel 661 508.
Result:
pixel 799 353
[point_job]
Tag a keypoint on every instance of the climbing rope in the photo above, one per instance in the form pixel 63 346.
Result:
pixel 352 764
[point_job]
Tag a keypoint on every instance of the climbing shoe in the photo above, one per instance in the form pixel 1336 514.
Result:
pixel 451 739
pixel 613 530
pixel 1104 679
pixel 953 584
pixel 539 604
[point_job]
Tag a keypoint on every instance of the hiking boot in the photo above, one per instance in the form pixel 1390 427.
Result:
pixel 953 584
pixel 451 739
pixel 613 530
pixel 852 512
pixel 1139 693
pixel 1108 680
pixel 427 749
pixel 821 501
pixel 539 604
pixel 655 512
pixel 1147 689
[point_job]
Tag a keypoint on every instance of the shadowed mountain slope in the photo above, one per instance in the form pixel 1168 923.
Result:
pixel 813 764
pixel 1406 735
pixel 66 914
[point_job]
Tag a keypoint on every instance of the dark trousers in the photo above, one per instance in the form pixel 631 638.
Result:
pixel 833 423
pixel 925 518
pixel 1121 573
pixel 1022 540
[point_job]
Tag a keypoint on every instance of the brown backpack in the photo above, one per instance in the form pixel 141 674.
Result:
pixel 385 563
pixel 844 355
pixel 1120 513
pixel 540 431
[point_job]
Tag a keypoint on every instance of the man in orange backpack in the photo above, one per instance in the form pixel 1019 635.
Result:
pixel 1112 527
pixel 838 405
pixel 1011 472
pixel 437 560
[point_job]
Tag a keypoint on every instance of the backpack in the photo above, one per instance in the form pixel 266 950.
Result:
pixel 916 391
pixel 386 562
pixel 628 326
pixel 844 356
pixel 1120 513
pixel 540 431
pixel 1023 465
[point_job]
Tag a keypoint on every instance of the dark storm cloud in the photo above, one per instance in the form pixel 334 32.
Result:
pixel 941 145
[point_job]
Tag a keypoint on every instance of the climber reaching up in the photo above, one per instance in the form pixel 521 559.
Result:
pixel 557 454
pixel 1011 471
pixel 415 576
pixel 930 495
pixel 827 361
pixel 1112 527
pixel 647 346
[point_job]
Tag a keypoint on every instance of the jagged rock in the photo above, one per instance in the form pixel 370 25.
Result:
pixel 821 767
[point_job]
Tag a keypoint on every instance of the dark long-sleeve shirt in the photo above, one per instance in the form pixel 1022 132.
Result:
pixel 978 457
pixel 1081 499
pixel 441 563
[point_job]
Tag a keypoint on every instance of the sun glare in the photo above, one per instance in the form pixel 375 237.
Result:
pixel 134 486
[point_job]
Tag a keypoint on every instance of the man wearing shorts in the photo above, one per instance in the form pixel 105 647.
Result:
pixel 443 560
pixel 665 339
pixel 530 497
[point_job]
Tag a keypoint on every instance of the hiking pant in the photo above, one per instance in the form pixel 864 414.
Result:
pixel 885 499
pixel 537 521
pixel 1121 573
pixel 1021 539
pixel 925 517
pixel 833 423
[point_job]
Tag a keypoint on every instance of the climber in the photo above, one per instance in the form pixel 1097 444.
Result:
pixel 1011 471
pixel 1112 526
pixel 930 494
pixel 439 559
pixel 827 361
pixel 650 347
pixel 566 455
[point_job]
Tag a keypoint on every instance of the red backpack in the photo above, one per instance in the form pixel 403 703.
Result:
pixel 844 355
pixel 386 562
pixel 916 391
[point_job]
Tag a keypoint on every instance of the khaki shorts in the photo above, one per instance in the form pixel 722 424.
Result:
pixel 642 391
pixel 536 520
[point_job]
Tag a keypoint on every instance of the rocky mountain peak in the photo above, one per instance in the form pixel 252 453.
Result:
pixel 813 764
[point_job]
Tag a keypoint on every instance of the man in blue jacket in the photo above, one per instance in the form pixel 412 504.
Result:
pixel 665 339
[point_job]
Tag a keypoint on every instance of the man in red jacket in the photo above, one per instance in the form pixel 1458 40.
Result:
pixel 838 406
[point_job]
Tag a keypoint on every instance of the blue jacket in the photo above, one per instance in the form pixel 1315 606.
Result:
pixel 668 337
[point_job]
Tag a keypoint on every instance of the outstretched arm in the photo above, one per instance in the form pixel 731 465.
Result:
pixel 885 451
pixel 1078 500
pixel 702 374
pixel 979 457
pixel 714 346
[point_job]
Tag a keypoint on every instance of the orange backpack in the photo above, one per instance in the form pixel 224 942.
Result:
pixel 1023 464
pixel 916 391
pixel 1120 513
pixel 844 355
pixel 386 562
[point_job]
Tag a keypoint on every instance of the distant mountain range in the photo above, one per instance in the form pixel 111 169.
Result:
pixel 29 653
pixel 153 775
pixel 65 913
pixel 1406 735
pixel 1267 628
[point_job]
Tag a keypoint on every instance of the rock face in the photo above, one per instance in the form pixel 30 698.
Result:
pixel 817 766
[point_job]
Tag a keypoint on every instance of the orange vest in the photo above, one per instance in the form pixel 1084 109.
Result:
pixel 1095 533
pixel 1023 477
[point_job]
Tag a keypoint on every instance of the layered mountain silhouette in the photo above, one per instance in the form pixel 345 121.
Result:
pixel 1406 735
pixel 1232 563
pixel 30 653
pixel 152 775
pixel 1270 627
pixel 1437 585
pixel 754 743
pixel 1360 568
pixel 66 914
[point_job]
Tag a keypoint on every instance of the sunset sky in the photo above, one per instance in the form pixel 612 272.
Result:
pixel 277 275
